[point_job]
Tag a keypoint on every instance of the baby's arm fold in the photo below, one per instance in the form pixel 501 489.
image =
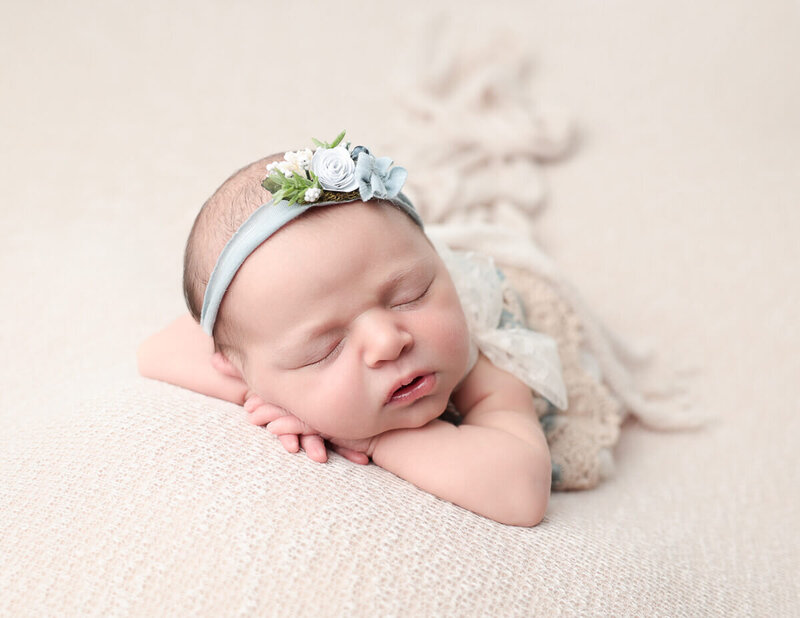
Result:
pixel 484 469
pixel 181 354
pixel 496 463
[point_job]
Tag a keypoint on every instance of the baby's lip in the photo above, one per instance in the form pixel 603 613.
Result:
pixel 405 382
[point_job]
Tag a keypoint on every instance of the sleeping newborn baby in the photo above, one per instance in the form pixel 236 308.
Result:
pixel 318 302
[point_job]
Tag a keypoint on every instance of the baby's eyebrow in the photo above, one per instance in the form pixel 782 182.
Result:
pixel 394 281
pixel 294 346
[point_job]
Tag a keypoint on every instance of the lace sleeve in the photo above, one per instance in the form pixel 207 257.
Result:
pixel 499 332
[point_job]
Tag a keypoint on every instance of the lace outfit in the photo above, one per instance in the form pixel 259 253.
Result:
pixel 581 435
pixel 497 326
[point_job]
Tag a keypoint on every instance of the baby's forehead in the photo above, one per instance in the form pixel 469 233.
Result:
pixel 327 250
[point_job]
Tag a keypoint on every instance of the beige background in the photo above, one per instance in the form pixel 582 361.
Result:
pixel 677 216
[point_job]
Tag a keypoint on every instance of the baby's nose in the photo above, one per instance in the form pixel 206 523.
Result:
pixel 385 339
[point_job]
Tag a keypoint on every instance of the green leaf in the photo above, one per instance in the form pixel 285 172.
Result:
pixel 318 143
pixel 338 139
pixel 271 184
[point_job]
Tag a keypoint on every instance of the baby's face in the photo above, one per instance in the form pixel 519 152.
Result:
pixel 351 322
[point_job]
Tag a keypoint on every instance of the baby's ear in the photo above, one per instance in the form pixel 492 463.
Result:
pixel 221 363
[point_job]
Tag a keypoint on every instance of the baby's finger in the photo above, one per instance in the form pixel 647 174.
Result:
pixel 290 443
pixel 252 402
pixel 314 447
pixel 356 457
pixel 287 424
pixel 266 413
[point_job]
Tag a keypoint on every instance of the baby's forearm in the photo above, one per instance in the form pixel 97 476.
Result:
pixel 484 469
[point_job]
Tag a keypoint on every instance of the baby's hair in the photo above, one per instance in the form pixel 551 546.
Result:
pixel 222 214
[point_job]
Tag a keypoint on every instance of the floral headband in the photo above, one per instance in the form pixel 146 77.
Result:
pixel 332 174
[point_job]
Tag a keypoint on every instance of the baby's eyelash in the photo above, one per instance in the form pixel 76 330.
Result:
pixel 328 356
pixel 418 298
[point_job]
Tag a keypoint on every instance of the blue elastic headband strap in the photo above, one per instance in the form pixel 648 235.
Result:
pixel 259 226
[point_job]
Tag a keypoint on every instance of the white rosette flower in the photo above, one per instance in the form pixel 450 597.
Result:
pixel 335 169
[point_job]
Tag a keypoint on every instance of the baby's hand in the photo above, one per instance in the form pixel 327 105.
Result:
pixel 294 433
pixel 363 447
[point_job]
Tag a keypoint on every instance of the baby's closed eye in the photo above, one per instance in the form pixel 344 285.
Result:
pixel 411 299
pixel 331 353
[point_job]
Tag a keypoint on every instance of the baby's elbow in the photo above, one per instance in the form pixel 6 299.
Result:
pixel 533 505
pixel 534 513
pixel 527 497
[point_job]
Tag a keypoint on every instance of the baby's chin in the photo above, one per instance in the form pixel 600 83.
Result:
pixel 419 418
pixel 408 422
pixel 414 418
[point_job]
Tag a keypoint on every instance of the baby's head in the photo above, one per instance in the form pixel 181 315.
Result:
pixel 345 316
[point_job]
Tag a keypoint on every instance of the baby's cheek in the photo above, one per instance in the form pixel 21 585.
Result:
pixel 448 329
pixel 460 345
pixel 331 403
pixel 286 390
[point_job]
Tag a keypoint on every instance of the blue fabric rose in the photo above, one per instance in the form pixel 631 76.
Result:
pixel 375 179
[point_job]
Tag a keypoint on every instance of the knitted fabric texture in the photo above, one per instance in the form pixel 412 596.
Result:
pixel 580 437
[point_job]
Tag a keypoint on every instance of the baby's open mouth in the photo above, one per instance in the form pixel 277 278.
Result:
pixel 420 386
pixel 406 387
